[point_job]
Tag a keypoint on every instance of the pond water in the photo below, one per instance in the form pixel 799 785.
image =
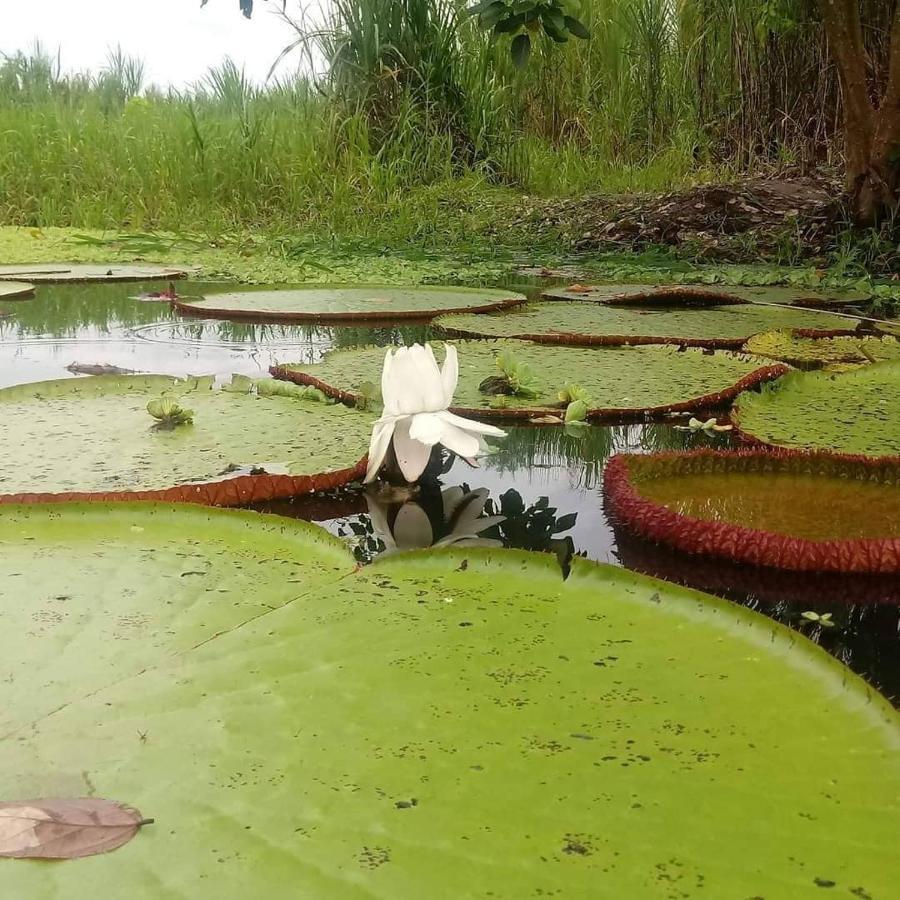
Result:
pixel 543 481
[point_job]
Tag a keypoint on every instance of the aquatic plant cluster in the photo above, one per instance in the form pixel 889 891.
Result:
pixel 480 672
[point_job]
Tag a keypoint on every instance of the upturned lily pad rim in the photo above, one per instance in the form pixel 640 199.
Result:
pixel 582 339
pixel 205 306
pixel 729 540
pixel 16 290
pixel 799 360
pixel 60 273
pixel 225 491
pixel 712 401
pixel 705 294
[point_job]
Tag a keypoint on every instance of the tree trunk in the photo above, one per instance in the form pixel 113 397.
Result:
pixel 871 126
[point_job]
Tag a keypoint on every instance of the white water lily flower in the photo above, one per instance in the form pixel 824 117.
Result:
pixel 416 395
pixel 463 522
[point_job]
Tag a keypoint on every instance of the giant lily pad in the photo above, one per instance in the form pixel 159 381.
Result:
pixel 811 352
pixel 598 324
pixel 620 381
pixel 15 290
pixel 854 412
pixel 93 438
pixel 816 513
pixel 713 294
pixel 329 303
pixel 435 722
pixel 59 273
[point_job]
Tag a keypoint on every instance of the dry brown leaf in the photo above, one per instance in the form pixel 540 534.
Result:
pixel 579 289
pixel 65 829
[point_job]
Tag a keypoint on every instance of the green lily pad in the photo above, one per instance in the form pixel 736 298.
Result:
pixel 434 722
pixel 324 303
pixel 853 412
pixel 807 352
pixel 712 294
pixel 596 323
pixel 15 290
pixel 620 381
pixel 58 273
pixel 94 436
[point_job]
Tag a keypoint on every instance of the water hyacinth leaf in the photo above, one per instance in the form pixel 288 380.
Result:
pixel 325 684
pixel 620 381
pixel 820 513
pixel 15 290
pixel 326 303
pixel 96 440
pixel 60 828
pixel 853 412
pixel 809 352
pixel 580 323
pixel 60 273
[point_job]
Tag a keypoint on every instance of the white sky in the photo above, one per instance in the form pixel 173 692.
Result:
pixel 177 40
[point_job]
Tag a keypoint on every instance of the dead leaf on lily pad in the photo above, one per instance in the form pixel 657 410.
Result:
pixel 65 829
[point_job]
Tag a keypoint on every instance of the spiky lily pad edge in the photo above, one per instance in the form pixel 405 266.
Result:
pixel 580 339
pixel 380 316
pixel 756 547
pixel 237 491
pixel 716 400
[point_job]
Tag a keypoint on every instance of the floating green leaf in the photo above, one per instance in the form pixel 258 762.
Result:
pixel 704 294
pixel 847 412
pixel 322 303
pixel 94 436
pixel 412 711
pixel 15 290
pixel 596 323
pixel 808 352
pixel 57 273
pixel 619 380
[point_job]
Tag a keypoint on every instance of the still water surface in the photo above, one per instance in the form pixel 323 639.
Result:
pixel 545 483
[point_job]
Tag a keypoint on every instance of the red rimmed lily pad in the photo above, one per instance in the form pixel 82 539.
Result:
pixel 94 439
pixel 597 324
pixel 806 512
pixel 856 412
pixel 65 273
pixel 621 382
pixel 349 303
pixel 700 294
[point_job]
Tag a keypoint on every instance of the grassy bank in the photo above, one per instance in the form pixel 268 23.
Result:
pixel 419 112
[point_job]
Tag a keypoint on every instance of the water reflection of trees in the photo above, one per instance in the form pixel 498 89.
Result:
pixel 583 450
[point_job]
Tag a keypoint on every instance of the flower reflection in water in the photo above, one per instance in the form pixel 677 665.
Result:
pixel 431 518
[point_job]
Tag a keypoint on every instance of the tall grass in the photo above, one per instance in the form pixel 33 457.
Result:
pixel 418 113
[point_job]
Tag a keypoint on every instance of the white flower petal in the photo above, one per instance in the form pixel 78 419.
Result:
pixel 461 442
pixel 449 373
pixel 389 395
pixel 382 431
pixel 427 427
pixel 412 455
pixel 412 529
pixel 430 379
pixel 471 424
